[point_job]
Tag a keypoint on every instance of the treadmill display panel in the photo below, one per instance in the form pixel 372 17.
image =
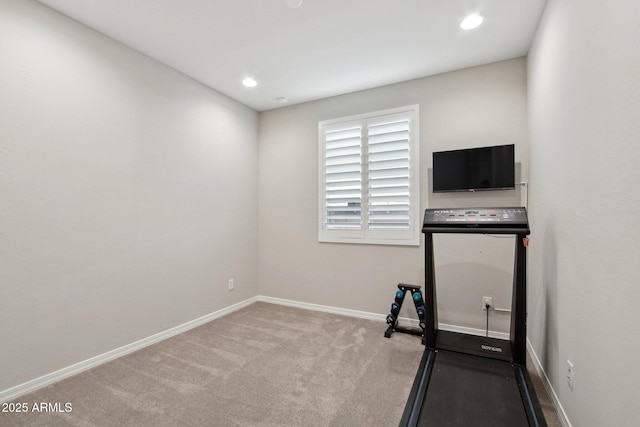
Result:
pixel 511 219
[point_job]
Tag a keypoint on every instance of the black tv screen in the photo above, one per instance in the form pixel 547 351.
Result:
pixel 485 168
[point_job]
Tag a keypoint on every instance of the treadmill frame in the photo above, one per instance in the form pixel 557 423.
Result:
pixel 434 339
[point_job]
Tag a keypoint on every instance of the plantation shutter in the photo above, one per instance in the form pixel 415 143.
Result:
pixel 343 178
pixel 389 176
pixel 368 178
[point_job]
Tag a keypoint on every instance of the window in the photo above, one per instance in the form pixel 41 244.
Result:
pixel 368 178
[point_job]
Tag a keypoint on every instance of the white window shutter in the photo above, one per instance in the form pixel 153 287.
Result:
pixel 343 178
pixel 368 178
pixel 389 176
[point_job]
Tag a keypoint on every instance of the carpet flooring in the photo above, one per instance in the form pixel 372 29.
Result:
pixel 264 365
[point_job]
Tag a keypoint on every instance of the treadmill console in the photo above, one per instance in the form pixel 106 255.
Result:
pixel 478 220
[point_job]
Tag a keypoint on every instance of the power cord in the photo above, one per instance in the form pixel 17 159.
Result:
pixel 487 306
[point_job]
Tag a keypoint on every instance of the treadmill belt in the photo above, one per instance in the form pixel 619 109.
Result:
pixel 467 390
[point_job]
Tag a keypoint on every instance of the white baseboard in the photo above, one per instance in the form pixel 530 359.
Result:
pixel 325 308
pixel 60 374
pixel 375 316
pixel 562 415
pixel 473 331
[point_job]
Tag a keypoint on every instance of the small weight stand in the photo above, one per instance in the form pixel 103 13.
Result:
pixel 392 318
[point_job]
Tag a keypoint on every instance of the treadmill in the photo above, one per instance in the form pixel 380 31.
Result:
pixel 468 380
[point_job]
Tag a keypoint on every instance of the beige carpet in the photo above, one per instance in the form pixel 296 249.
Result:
pixel 264 365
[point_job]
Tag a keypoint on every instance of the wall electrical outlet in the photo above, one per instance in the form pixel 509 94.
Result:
pixel 231 284
pixel 487 301
pixel 570 374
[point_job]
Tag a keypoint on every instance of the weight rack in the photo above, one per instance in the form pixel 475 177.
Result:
pixel 392 318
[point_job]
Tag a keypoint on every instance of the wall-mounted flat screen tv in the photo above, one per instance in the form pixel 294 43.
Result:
pixel 484 168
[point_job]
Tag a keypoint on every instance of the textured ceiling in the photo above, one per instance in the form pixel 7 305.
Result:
pixel 323 48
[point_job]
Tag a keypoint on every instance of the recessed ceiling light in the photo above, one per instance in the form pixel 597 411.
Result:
pixel 293 4
pixel 282 99
pixel 471 22
pixel 249 82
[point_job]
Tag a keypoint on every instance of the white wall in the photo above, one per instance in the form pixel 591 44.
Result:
pixel 584 111
pixel 127 195
pixel 479 106
pixel 118 219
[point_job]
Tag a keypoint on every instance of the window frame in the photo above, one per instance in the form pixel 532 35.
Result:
pixel 366 235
